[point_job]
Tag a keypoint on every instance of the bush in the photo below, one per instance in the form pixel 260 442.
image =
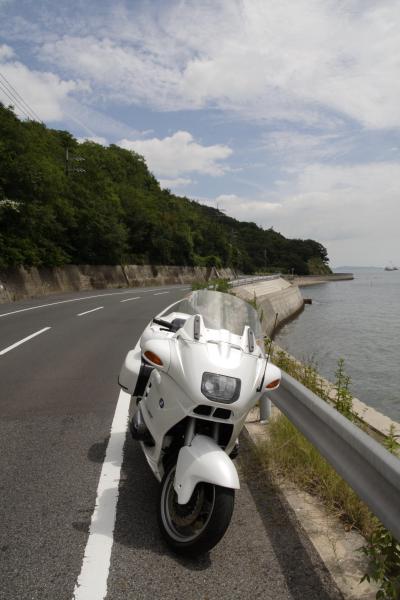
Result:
pixel 219 285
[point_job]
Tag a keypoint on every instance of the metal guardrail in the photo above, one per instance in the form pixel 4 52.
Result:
pixel 367 466
pixel 249 280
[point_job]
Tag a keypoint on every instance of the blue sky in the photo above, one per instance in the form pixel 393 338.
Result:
pixel 286 113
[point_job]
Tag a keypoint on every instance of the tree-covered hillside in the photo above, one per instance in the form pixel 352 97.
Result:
pixel 109 209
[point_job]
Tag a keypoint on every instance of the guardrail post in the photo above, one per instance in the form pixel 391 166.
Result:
pixel 265 409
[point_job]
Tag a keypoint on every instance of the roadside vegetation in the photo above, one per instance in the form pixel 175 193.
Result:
pixel 218 285
pixel 103 206
pixel 289 455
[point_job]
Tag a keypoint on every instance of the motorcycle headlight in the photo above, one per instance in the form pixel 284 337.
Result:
pixel 220 388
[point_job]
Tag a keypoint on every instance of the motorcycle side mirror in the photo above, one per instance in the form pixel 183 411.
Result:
pixel 194 328
pixel 248 340
pixel 157 353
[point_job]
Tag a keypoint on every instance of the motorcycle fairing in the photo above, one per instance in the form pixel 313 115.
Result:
pixel 130 369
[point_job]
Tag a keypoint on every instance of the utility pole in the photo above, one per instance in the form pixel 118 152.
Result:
pixel 265 259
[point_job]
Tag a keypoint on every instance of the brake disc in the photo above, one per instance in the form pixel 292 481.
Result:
pixel 186 514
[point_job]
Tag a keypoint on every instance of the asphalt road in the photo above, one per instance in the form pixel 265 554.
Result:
pixel 58 394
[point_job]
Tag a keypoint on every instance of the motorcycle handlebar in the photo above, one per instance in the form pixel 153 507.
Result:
pixel 163 323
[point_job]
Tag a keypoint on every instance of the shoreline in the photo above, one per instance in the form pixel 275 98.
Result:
pixel 285 299
pixel 337 547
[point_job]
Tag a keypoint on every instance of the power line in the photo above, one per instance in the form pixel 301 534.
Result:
pixel 23 101
pixel 13 101
pixel 18 98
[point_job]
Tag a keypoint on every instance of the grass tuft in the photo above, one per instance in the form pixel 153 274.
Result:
pixel 288 454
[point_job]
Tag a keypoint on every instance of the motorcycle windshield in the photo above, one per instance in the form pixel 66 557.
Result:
pixel 221 311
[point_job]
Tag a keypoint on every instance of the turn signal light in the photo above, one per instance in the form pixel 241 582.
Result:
pixel 152 357
pixel 274 384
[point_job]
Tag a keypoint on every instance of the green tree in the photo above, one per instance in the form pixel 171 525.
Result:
pixel 115 211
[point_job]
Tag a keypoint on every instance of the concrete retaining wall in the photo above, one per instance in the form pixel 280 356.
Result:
pixel 19 283
pixel 277 297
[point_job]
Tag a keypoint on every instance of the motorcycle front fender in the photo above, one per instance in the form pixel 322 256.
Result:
pixel 203 461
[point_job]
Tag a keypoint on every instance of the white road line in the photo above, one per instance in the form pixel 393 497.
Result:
pixel 129 299
pixel 92 581
pixel 160 293
pixel 24 340
pixel 66 301
pixel 89 311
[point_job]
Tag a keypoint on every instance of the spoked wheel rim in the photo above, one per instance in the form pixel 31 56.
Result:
pixel 186 522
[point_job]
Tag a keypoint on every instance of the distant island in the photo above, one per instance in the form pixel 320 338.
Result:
pixel 62 202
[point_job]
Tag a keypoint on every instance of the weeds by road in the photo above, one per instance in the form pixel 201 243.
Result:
pixel 288 454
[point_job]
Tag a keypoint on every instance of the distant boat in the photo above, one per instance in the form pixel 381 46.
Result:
pixel 391 267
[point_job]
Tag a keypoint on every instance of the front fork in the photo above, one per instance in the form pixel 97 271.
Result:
pixel 191 431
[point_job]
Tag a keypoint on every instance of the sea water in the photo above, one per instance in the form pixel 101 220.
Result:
pixel 359 321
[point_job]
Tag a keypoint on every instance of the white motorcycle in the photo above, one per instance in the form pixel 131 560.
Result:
pixel 197 370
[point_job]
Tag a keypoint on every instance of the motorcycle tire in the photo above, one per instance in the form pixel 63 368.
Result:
pixel 194 528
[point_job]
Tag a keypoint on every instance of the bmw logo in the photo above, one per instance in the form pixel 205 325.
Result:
pixel 161 403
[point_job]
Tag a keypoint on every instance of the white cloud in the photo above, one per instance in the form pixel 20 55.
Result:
pixel 315 63
pixel 303 61
pixel 291 146
pixel 227 201
pixel 179 182
pixel 354 210
pixel 97 139
pixel 95 123
pixel 127 74
pixel 44 92
pixel 180 153
pixel 6 52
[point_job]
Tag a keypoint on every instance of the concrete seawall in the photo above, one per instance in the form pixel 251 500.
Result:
pixel 279 296
pixel 19 283
pixel 275 297
pixel 317 279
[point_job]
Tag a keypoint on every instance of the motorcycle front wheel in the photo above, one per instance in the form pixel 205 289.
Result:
pixel 196 527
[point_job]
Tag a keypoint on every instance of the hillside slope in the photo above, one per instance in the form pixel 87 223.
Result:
pixel 115 212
